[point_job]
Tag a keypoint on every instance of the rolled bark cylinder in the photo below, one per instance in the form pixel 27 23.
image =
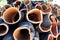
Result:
pixel 50 37
pixel 38 7
pixel 27 2
pixel 17 4
pixel 3 29
pixel 2 10
pixel 54 30
pixel 46 8
pixel 58 37
pixel 24 32
pixel 45 25
pixel 11 15
pixel 53 18
pixel 34 16
pixel 7 6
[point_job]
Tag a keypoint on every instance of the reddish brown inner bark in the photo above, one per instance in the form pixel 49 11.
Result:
pixel 23 34
pixel 35 15
pixel 54 29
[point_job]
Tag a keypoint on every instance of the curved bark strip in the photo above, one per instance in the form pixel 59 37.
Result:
pixel 27 2
pixel 50 37
pixel 54 30
pixel 22 33
pixel 38 7
pixel 7 6
pixel 11 15
pixel 45 25
pixel 17 4
pixel 58 37
pixel 24 11
pixel 44 29
pixel 3 29
pixel 34 16
pixel 53 18
pixel 46 8
pixel 25 31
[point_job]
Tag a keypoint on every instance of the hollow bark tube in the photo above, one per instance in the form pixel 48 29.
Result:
pixel 38 7
pixel 54 30
pixel 27 2
pixel 7 6
pixel 58 37
pixel 29 25
pixel 50 37
pixel 45 25
pixel 34 16
pixel 11 15
pixel 2 11
pixel 3 29
pixel 46 8
pixel 53 18
pixel 17 4
pixel 24 32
